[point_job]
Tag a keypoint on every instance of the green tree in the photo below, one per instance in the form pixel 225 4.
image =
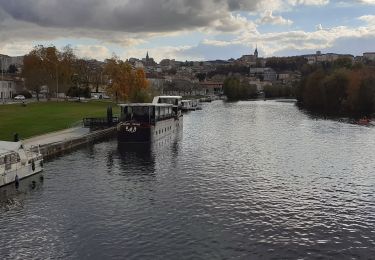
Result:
pixel 235 89
pixel 335 88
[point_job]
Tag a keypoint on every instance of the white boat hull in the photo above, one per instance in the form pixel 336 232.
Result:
pixel 21 171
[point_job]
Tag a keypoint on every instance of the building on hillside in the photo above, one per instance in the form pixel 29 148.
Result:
pixel 250 60
pixel 259 84
pixel 156 83
pixel 266 74
pixel 6 61
pixel 369 56
pixel 138 65
pixel 211 88
pixel 181 87
pixel 318 57
pixel 148 62
pixel 7 89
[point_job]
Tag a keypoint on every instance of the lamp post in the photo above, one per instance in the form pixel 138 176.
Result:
pixel 57 79
pixel 76 80
pixel 57 84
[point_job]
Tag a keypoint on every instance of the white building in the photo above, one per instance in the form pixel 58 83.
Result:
pixel 369 56
pixel 268 74
pixel 259 84
pixel 328 57
pixel 7 89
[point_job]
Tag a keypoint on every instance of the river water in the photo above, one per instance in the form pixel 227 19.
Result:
pixel 246 180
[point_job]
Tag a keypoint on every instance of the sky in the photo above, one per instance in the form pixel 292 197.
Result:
pixel 188 29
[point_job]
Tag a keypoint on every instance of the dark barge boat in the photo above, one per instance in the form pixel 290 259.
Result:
pixel 148 122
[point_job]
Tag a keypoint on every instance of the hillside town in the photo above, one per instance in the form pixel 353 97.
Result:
pixel 172 77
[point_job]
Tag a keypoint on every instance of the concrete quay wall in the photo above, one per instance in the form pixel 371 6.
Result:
pixel 52 150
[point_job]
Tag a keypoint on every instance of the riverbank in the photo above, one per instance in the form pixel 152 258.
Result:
pixel 56 143
pixel 40 118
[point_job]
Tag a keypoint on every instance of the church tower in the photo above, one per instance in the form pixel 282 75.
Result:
pixel 147 57
pixel 256 52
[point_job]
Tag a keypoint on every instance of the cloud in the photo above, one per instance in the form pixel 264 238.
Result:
pixel 269 18
pixel 129 26
pixel 309 2
pixel 98 52
pixel 369 19
pixel 296 40
pixel 126 16
pixel 367 2
pixel 319 27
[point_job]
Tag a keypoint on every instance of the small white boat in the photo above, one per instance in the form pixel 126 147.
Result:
pixel 187 105
pixel 17 163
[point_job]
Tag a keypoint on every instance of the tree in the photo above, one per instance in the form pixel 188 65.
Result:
pixel 125 83
pixel 313 94
pixel 231 88
pixel 200 76
pixel 343 62
pixel 366 95
pixel 48 66
pixel 235 89
pixel 12 69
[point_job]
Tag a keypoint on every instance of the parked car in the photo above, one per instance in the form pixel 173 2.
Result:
pixel 19 97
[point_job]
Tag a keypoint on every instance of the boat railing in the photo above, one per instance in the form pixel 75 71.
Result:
pixel 99 122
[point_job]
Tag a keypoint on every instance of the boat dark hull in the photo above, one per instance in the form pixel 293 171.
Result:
pixel 132 133
pixel 128 132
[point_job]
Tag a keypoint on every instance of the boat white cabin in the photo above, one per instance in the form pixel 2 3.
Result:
pixel 189 105
pixel 173 100
pixel 17 163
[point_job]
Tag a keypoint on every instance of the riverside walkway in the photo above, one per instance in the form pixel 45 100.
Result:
pixel 56 137
pixel 56 143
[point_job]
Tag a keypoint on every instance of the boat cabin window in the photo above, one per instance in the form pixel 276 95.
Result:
pixel 162 113
pixel 137 113
pixel 14 158
pixel 172 101
pixel 7 161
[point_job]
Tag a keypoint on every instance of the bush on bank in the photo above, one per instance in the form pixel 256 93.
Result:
pixel 341 90
pixel 235 89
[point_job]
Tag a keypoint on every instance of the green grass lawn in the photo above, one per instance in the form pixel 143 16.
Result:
pixel 43 117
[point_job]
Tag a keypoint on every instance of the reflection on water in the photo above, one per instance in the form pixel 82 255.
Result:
pixel 246 180
pixel 12 195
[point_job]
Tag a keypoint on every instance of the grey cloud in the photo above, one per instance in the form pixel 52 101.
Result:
pixel 126 15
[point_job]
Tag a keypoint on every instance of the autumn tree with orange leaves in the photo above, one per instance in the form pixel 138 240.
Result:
pixel 126 83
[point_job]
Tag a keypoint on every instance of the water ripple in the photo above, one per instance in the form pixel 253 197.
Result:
pixel 246 180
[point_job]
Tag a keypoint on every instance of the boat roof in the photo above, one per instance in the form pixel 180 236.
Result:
pixel 6 147
pixel 145 105
pixel 171 97
pixel 186 100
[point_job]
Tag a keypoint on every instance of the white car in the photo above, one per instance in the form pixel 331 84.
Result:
pixel 19 97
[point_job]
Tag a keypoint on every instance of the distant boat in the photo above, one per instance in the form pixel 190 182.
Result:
pixel 364 121
pixel 17 163
pixel 187 105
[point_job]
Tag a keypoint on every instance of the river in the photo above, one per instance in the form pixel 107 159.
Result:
pixel 245 180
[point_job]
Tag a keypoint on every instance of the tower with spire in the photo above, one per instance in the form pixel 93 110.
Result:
pixel 256 52
pixel 147 57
